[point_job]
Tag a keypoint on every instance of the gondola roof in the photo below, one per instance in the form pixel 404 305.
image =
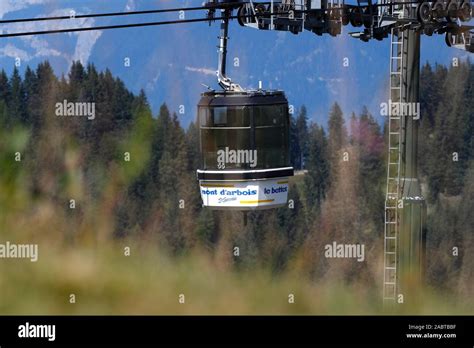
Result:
pixel 246 98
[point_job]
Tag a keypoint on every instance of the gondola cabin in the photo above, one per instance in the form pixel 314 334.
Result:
pixel 244 139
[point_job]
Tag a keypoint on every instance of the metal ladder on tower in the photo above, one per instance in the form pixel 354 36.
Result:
pixel 394 187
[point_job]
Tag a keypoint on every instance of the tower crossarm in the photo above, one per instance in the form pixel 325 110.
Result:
pixel 376 20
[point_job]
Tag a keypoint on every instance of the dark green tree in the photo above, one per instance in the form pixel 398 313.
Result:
pixel 317 179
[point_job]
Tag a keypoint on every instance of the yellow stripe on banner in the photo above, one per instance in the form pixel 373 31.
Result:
pixel 257 201
pixel 217 185
pixel 282 182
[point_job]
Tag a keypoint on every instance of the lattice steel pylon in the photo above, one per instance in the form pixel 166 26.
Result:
pixel 404 204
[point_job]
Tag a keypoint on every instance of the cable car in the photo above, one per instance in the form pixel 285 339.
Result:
pixel 244 139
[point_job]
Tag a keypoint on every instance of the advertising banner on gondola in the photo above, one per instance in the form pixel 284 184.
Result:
pixel 245 194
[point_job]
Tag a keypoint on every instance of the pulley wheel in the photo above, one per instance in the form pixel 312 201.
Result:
pixel 452 8
pixel 356 17
pixel 424 12
pixel 438 10
pixel 465 13
pixel 449 39
pixel 242 15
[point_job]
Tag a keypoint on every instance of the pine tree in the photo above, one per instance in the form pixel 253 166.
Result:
pixel 5 98
pixel 30 86
pixel 192 141
pixel 77 76
pixel 302 132
pixel 295 151
pixel 4 87
pixel 338 138
pixel 163 128
pixel 16 107
pixel 206 228
pixel 317 179
pixel 88 131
